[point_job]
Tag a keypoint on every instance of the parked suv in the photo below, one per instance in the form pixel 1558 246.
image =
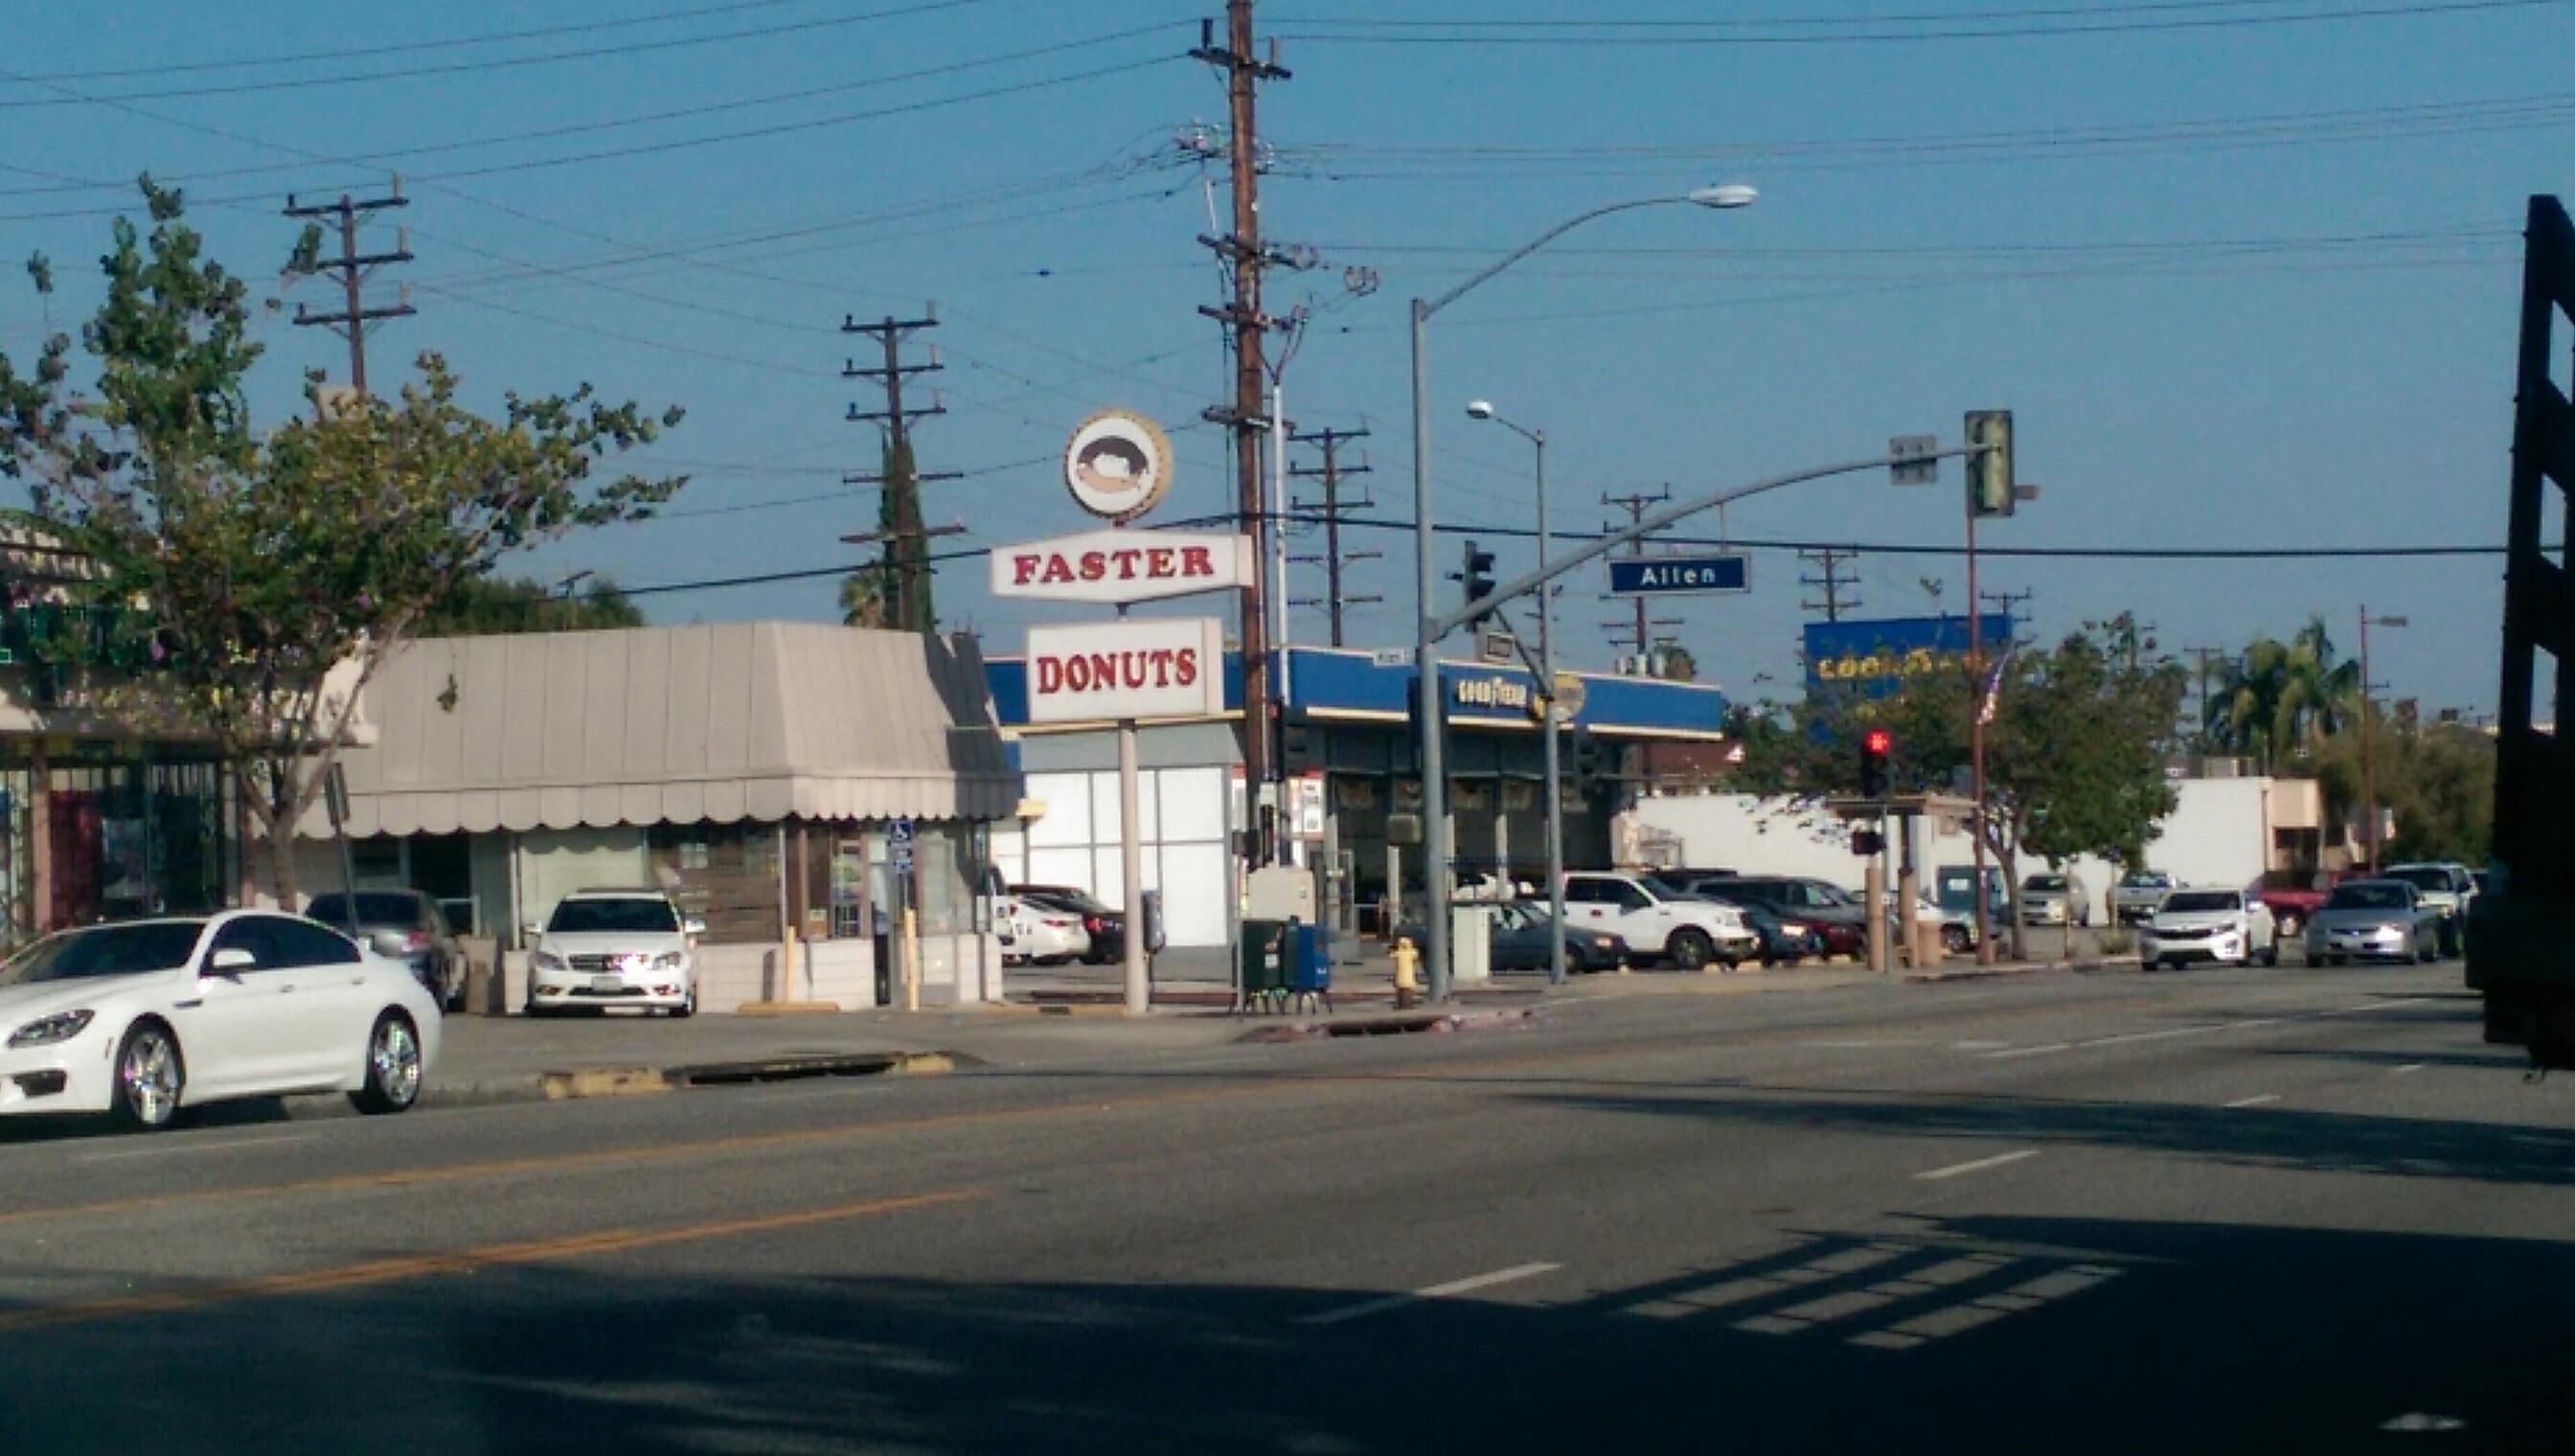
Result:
pixel 2054 899
pixel 1656 920
pixel 615 947
pixel 2138 894
pixel 404 925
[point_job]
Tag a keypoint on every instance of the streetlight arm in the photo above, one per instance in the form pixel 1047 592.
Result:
pixel 1423 311
pixel 1437 628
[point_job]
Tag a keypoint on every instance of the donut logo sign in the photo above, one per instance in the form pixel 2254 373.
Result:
pixel 1119 464
pixel 1145 668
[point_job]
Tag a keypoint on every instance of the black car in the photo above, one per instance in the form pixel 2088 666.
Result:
pixel 1520 940
pixel 1107 925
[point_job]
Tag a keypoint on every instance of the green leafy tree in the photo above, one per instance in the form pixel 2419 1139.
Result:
pixel 2075 753
pixel 491 606
pixel 2436 781
pixel 2279 700
pixel 264 576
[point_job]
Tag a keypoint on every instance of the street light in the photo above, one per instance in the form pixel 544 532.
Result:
pixel 2368 769
pixel 1484 409
pixel 1432 750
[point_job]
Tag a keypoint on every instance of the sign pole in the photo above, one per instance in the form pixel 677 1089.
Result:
pixel 1131 865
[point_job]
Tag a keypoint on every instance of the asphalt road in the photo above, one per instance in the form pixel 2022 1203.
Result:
pixel 2262 1210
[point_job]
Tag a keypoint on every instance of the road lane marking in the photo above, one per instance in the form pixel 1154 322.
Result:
pixel 1978 1166
pixel 2040 1051
pixel 376 1272
pixel 1451 1289
pixel 175 1150
pixel 2255 1101
pixel 2411 1066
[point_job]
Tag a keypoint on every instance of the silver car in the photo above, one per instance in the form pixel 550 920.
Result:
pixel 2374 919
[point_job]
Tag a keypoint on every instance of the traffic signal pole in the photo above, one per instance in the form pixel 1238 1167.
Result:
pixel 1432 748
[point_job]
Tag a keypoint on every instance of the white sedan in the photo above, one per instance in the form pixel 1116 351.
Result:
pixel 142 1019
pixel 1032 931
pixel 2227 926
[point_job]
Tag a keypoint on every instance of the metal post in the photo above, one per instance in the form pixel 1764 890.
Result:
pixel 2368 765
pixel 1976 739
pixel 1130 854
pixel 1433 755
pixel 1281 690
pixel 1555 762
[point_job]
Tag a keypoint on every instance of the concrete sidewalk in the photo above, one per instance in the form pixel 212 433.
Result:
pixel 1056 1017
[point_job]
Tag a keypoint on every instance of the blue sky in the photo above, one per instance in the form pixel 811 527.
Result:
pixel 2243 284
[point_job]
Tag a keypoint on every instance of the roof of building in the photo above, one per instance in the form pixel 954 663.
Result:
pixel 758 721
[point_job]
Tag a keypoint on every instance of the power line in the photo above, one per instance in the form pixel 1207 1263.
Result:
pixel 506 63
pixel 396 154
pixel 1358 32
pixel 412 47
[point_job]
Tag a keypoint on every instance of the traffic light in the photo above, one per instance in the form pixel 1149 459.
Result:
pixel 1990 472
pixel 1586 754
pixel 1479 580
pixel 1877 771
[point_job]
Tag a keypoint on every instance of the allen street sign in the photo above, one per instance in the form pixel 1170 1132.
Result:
pixel 1664 576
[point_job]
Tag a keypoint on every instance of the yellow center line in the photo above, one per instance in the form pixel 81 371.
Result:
pixel 377 1272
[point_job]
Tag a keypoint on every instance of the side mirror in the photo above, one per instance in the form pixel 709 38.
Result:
pixel 532 929
pixel 692 928
pixel 232 961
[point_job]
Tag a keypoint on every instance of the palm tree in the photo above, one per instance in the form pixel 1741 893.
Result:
pixel 2282 698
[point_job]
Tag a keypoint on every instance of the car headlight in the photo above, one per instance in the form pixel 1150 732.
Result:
pixel 546 960
pixel 670 960
pixel 46 1030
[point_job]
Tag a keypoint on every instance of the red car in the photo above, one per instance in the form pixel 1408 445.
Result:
pixel 2295 896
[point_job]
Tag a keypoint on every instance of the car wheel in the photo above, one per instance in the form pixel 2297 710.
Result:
pixel 1690 949
pixel 1954 938
pixel 2289 924
pixel 686 1008
pixel 393 1067
pixel 2272 955
pixel 151 1078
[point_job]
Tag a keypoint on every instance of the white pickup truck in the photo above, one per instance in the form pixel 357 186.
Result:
pixel 1654 922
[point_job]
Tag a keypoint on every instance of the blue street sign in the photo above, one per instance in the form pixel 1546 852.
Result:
pixel 901 835
pixel 1658 576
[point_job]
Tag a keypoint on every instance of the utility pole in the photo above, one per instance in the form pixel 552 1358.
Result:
pixel 1634 505
pixel 352 319
pixel 904 571
pixel 2204 656
pixel 2009 604
pixel 2369 711
pixel 1332 472
pixel 1243 252
pixel 1830 579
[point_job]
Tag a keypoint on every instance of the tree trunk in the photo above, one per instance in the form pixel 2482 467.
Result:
pixel 282 880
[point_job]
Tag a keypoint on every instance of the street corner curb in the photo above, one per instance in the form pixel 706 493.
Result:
pixel 1399 1024
pixel 788 1009
pixel 607 1082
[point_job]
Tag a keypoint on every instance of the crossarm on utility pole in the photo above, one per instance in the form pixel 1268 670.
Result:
pixel 1437 628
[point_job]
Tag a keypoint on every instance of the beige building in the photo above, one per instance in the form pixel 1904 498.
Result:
pixel 762 774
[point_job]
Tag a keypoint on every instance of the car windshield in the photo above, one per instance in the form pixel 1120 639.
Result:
pixel 637 915
pixel 2429 876
pixel 105 951
pixel 1828 894
pixel 2045 882
pixel 2144 879
pixel 374 908
pixel 2202 899
pixel 2368 895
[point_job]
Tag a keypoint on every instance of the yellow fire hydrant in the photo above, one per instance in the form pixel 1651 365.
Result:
pixel 1407 992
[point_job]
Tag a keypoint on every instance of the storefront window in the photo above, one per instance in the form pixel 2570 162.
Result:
pixel 723 874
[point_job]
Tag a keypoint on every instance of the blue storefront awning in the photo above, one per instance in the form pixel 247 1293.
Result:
pixel 1332 686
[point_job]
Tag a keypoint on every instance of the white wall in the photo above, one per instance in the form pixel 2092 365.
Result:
pixel 1181 818
pixel 2215 835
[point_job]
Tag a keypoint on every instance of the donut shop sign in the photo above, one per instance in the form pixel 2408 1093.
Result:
pixel 1142 668
pixel 1122 566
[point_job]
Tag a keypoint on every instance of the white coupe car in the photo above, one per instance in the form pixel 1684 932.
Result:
pixel 143 1020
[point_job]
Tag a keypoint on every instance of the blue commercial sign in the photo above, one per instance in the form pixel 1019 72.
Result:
pixel 1655 575
pixel 1876 657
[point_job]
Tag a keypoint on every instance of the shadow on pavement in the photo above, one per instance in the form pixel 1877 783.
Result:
pixel 1969 1335
pixel 2275 1137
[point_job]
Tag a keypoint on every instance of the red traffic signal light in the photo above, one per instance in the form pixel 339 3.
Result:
pixel 1876 772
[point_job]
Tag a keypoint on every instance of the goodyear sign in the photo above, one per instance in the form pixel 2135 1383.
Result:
pixel 1878 656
